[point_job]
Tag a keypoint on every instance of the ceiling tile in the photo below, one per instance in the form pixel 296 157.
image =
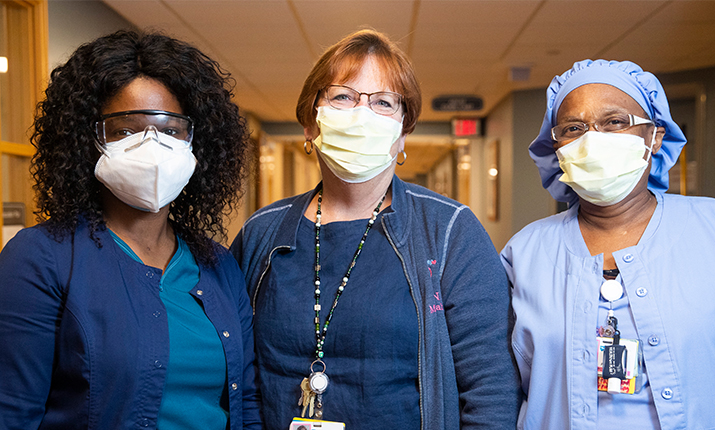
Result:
pixel 457 46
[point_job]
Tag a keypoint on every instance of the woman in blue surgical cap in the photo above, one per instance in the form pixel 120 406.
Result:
pixel 611 296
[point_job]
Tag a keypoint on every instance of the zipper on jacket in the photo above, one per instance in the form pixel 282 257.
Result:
pixel 260 280
pixel 419 325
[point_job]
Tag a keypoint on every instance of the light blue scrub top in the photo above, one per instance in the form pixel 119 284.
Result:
pixel 669 305
pixel 195 390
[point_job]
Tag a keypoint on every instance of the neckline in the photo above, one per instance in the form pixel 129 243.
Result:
pixel 577 245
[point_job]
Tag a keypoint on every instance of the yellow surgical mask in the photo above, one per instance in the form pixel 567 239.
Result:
pixel 355 143
pixel 603 168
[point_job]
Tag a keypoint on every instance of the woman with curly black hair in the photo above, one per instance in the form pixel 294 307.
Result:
pixel 119 310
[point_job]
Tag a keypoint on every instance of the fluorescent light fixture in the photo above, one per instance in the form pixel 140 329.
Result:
pixel 3 64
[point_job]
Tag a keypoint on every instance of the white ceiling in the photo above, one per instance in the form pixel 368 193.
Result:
pixel 457 47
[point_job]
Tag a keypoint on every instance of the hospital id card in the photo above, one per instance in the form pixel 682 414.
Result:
pixel 633 367
pixel 308 424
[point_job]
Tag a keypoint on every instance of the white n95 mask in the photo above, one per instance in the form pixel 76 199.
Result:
pixel 603 168
pixel 355 143
pixel 146 170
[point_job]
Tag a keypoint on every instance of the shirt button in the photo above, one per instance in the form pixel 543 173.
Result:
pixel 234 386
pixel 156 314
pixel 641 292
pixel 584 410
pixel 157 363
pixel 653 340
pixel 628 258
pixel 199 292
pixel 586 355
pixel 149 275
pixel 145 422
pixel 667 393
pixel 225 334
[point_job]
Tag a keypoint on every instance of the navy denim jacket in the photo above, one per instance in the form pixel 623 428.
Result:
pixel 467 379
pixel 84 339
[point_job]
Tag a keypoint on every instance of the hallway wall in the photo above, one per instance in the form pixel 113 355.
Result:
pixel 704 79
pixel 72 23
pixel 514 122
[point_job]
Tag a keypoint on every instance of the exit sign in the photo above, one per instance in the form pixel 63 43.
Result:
pixel 462 127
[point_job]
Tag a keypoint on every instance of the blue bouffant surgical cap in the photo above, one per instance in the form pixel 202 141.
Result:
pixel 628 77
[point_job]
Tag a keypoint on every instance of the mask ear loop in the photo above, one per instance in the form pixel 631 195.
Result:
pixel 97 142
pixel 652 142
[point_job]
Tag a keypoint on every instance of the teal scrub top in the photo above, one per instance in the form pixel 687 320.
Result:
pixel 195 393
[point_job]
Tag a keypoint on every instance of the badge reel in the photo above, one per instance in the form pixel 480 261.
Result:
pixel 311 399
pixel 318 381
pixel 312 389
pixel 614 355
pixel 618 359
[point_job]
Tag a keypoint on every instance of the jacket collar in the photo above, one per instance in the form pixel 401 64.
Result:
pixel 397 220
pixel 288 230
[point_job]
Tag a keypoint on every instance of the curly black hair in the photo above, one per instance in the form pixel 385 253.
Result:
pixel 64 134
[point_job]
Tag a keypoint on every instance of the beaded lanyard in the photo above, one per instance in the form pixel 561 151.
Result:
pixel 318 381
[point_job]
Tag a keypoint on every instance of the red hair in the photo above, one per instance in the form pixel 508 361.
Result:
pixel 344 60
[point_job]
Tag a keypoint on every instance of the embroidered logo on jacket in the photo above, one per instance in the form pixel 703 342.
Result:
pixel 438 306
pixel 431 263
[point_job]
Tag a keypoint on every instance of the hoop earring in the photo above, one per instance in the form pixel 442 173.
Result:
pixel 305 146
pixel 404 154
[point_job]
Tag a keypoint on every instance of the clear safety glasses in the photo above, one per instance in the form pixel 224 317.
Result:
pixel 609 124
pixel 116 126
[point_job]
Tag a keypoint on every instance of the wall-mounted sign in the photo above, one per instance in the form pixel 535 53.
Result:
pixel 13 217
pixel 457 103
pixel 13 213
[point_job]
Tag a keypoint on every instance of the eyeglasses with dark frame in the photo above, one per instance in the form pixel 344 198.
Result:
pixel 118 125
pixel 609 124
pixel 381 102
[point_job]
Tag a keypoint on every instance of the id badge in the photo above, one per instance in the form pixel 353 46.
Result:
pixel 619 366
pixel 308 424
